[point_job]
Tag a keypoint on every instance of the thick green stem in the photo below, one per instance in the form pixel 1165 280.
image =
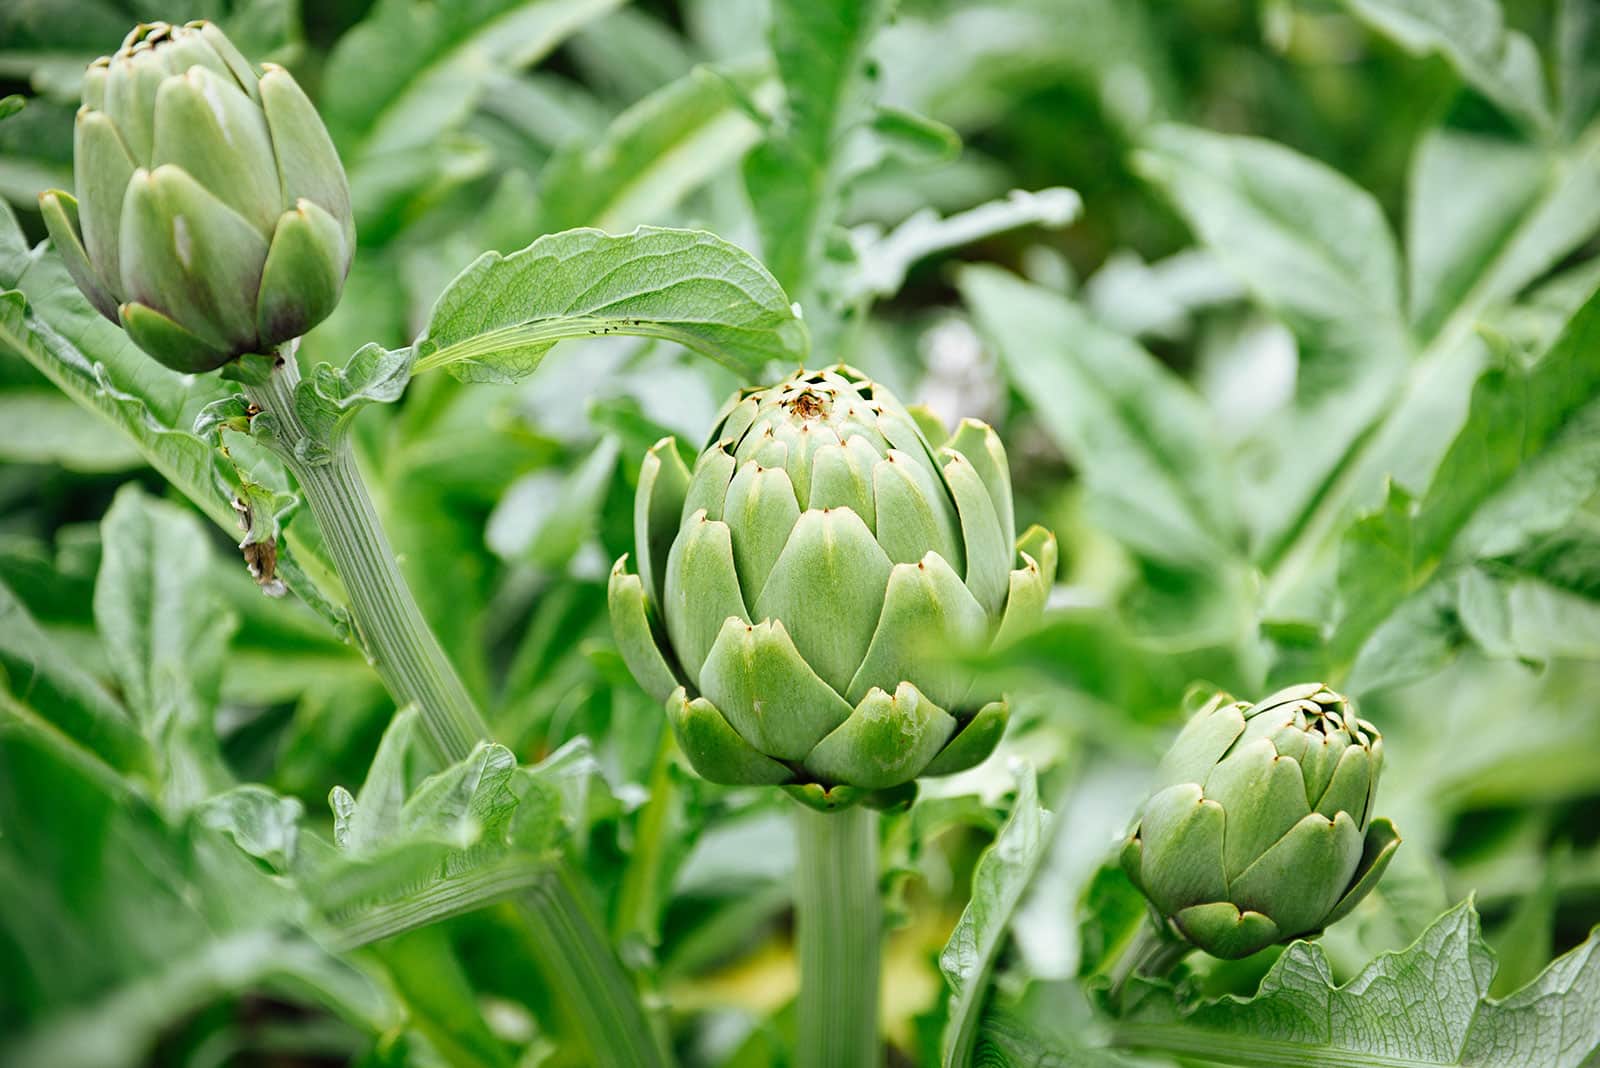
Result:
pixel 596 997
pixel 840 927
pixel 573 955
pixel 1153 952
pixel 393 632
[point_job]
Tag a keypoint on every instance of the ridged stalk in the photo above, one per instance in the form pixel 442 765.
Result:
pixel 839 926
pixel 573 955
pixel 394 634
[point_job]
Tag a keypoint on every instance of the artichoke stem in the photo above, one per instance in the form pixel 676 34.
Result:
pixel 840 928
pixel 574 957
pixel 396 637
pixel 1152 953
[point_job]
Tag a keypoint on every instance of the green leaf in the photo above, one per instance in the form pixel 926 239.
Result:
pixel 1425 1005
pixel 39 673
pixel 1140 436
pixel 496 321
pixel 999 884
pixel 1520 467
pixel 1315 249
pixel 655 153
pixel 795 177
pixel 882 263
pixel 166 634
pixel 122 924
pixel 44 427
pixel 1467 194
pixel 44 320
pixel 411 71
pixel 475 832
pixel 1471 35
pixel 328 399
pixel 1486 264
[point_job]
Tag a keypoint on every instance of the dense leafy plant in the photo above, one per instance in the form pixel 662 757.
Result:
pixel 1276 442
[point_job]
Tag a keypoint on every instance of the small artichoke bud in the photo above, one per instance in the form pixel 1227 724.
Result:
pixel 213 216
pixel 1260 828
pixel 788 586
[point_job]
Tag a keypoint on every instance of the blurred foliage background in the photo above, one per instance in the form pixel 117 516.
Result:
pixel 1178 480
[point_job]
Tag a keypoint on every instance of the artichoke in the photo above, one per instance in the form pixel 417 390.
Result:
pixel 799 590
pixel 213 216
pixel 1260 828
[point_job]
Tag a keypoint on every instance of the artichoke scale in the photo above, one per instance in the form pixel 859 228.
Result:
pixel 767 691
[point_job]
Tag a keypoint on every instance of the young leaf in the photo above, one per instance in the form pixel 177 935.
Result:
pixel 1138 433
pixel 1425 1005
pixel 998 887
pixel 1471 35
pixel 478 831
pixel 496 321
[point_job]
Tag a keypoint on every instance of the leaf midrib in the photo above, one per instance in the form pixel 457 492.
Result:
pixel 1252 1051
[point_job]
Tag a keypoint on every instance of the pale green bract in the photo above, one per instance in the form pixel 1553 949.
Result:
pixel 1260 828
pixel 799 591
pixel 213 216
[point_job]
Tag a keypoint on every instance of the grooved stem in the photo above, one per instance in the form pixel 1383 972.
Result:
pixel 574 957
pixel 596 996
pixel 394 634
pixel 840 928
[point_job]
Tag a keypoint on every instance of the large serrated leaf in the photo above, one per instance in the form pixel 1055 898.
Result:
pixel 1519 469
pixel 1425 1005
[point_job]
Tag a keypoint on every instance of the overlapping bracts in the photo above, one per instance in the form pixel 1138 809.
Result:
pixel 213 216
pixel 1260 828
pixel 799 591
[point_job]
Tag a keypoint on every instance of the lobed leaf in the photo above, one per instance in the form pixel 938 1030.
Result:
pixel 1520 467
pixel 1425 1005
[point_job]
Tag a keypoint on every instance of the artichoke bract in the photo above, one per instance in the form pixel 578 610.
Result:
pixel 1260 828
pixel 213 216
pixel 798 591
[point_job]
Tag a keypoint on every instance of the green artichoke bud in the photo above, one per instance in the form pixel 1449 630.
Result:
pixel 797 592
pixel 1260 828
pixel 213 216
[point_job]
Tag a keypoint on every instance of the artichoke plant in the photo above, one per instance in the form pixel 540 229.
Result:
pixel 798 591
pixel 213 216
pixel 1260 828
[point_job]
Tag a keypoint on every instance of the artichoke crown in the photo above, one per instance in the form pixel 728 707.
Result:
pixel 798 589
pixel 1260 828
pixel 213 216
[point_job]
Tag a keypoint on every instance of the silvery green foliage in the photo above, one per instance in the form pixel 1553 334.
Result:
pixel 797 592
